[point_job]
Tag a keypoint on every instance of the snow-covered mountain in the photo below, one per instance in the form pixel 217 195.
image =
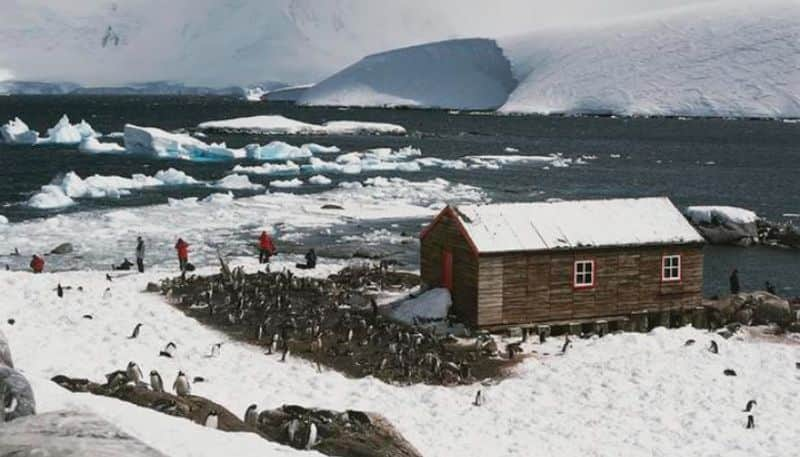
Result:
pixel 711 60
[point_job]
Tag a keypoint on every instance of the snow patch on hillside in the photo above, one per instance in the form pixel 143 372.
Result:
pixel 710 60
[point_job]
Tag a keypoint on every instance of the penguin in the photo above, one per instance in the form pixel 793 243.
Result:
pixel 713 348
pixel 478 399
pixel 212 420
pixel 60 291
pixel 168 351
pixel 88 316
pixel 567 342
pixel 135 331
pixel 156 383
pixel 181 385
pixel 689 342
pixel 251 415
pixel 292 428
pixel 215 349
pixel 108 277
pixel 134 373
pixel 311 439
pixel 749 409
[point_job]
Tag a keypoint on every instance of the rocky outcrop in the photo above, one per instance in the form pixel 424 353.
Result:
pixel 67 434
pixel 351 433
pixel 16 395
pixel 63 248
pixel 755 308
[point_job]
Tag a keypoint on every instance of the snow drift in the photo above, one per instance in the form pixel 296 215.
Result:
pixel 431 305
pixel 464 74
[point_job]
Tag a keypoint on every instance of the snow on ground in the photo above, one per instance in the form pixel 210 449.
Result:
pixel 729 214
pixel 718 59
pixel 280 125
pixel 64 189
pixel 464 74
pixel 430 305
pixel 624 394
pixel 103 237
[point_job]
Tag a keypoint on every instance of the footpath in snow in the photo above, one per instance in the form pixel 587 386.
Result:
pixel 623 394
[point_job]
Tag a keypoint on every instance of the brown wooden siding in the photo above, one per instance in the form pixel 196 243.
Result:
pixel 446 236
pixel 533 287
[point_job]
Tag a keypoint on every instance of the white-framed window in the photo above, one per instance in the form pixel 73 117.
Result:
pixel 671 267
pixel 583 273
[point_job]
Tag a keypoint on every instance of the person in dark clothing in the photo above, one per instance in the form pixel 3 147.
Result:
pixel 125 265
pixel 140 254
pixel 311 261
pixel 769 287
pixel 734 280
pixel 266 248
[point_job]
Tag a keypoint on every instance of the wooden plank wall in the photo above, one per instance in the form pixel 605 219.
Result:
pixel 537 287
pixel 445 235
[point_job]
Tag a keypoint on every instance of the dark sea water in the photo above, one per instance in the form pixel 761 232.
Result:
pixel 752 164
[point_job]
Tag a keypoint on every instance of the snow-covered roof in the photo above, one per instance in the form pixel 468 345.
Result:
pixel 512 227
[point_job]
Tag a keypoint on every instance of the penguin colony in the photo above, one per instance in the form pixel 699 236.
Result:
pixel 330 322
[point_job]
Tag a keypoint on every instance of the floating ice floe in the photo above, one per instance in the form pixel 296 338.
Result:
pixel 275 124
pixel 15 131
pixel 157 142
pixel 320 149
pixel 286 183
pixel 275 169
pixel 235 181
pixel 218 199
pixel 276 150
pixel 92 145
pixel 63 190
pixel 494 162
pixel 3 220
pixel 254 94
pixel 320 180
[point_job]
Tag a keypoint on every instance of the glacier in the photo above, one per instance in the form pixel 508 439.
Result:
pixel 463 74
pixel 720 59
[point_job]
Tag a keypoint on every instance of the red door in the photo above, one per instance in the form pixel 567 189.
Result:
pixel 447 269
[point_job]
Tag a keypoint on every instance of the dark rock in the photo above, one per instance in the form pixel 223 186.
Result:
pixel 5 352
pixel 331 206
pixel 63 248
pixel 152 287
pixel 729 372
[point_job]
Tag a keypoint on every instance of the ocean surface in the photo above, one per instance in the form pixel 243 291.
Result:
pixel 747 163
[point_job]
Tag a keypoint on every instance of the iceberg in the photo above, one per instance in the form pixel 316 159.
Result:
pixel 3 220
pixel 280 125
pixel 91 145
pixel 288 183
pixel 156 142
pixel 276 150
pixel 236 181
pixel 320 180
pixel 66 133
pixel 63 190
pixel 319 149
pixel 15 131
pixel 287 169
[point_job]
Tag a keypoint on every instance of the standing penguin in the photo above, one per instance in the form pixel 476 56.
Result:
pixel 713 348
pixel 181 385
pixel 135 331
pixel 311 438
pixel 60 291
pixel 212 420
pixel 749 409
pixel 215 349
pixel 251 415
pixel 156 383
pixel 478 399
pixel 134 373
pixel 567 342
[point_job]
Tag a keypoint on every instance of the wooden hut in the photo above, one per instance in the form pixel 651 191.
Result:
pixel 566 261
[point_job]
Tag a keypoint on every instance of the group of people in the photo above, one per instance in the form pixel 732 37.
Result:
pixel 265 244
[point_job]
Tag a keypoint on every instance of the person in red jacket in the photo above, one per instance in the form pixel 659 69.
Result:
pixel 183 253
pixel 37 264
pixel 266 248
